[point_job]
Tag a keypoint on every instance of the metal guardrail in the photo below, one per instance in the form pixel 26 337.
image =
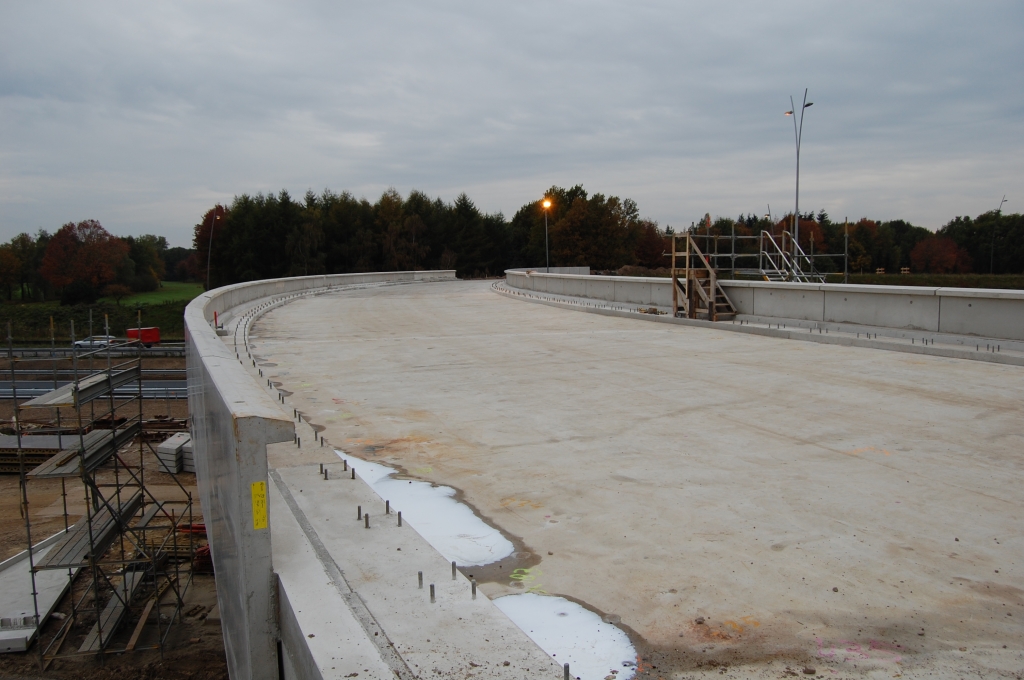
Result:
pixel 67 374
pixel 151 389
pixel 165 350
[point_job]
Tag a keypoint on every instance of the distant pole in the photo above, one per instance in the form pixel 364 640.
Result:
pixel 209 250
pixel 734 250
pixel 846 251
pixel 547 255
pixel 992 253
pixel 798 134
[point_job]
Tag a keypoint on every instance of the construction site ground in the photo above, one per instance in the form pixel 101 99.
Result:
pixel 194 649
pixel 740 505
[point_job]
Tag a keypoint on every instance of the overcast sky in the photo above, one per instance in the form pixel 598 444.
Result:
pixel 144 115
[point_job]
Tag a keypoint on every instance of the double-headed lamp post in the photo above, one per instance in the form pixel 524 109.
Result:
pixel 547 255
pixel 798 133
pixel 209 250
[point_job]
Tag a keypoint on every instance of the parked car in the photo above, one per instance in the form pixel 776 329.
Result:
pixel 95 341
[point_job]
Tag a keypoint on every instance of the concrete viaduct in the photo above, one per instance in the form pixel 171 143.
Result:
pixel 829 484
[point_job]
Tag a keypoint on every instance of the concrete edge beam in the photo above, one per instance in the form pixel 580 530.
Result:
pixel 784 333
pixel 232 422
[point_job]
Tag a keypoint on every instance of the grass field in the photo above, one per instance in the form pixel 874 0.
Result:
pixel 170 291
pixel 164 308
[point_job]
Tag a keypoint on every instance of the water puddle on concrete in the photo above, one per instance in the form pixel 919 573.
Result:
pixel 567 631
pixel 448 525
pixel 572 634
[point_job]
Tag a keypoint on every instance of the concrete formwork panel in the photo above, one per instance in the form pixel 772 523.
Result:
pixel 519 280
pixel 994 314
pixel 575 286
pixel 742 297
pixel 801 301
pixel 601 288
pixel 887 306
pixel 638 292
pixel 661 293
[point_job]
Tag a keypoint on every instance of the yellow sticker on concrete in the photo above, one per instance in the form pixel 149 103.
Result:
pixel 259 505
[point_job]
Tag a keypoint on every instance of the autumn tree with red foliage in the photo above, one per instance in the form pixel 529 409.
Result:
pixel 84 255
pixel 939 255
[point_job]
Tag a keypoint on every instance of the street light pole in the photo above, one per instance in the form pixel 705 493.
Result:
pixel 209 250
pixel 992 253
pixel 547 255
pixel 798 134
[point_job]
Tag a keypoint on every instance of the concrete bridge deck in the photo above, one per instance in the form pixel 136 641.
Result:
pixel 731 501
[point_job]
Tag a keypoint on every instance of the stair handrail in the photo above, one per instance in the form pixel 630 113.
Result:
pixel 813 274
pixel 784 268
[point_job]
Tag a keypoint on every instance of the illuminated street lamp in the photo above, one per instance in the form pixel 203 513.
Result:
pixel 547 256
pixel 798 133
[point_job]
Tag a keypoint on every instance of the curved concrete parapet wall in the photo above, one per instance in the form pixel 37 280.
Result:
pixel 232 422
pixel 963 311
pixel 579 271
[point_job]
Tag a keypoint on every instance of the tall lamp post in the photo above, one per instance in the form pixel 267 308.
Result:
pixel 209 250
pixel 992 253
pixel 547 255
pixel 798 133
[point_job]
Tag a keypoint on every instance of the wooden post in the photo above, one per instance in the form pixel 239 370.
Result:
pixel 675 281
pixel 712 308
pixel 691 306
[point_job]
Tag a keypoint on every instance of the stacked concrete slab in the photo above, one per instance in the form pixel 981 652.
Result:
pixel 169 453
pixel 188 462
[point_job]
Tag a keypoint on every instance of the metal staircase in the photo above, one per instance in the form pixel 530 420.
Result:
pixel 776 264
pixel 698 295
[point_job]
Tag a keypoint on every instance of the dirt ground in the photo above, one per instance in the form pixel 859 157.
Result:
pixel 193 649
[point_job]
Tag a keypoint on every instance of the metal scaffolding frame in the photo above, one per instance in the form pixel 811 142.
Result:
pixel 125 552
pixel 778 256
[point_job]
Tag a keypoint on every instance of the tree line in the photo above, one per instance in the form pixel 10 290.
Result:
pixel 273 235
pixel 82 261
pixel 991 243
pixel 267 236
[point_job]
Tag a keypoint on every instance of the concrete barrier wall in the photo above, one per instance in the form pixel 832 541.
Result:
pixel 233 420
pixel 965 311
pixel 582 271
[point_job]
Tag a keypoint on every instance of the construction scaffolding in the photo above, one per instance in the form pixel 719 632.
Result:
pixel 699 295
pixel 777 257
pixel 128 549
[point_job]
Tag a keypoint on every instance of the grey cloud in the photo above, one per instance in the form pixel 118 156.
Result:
pixel 143 116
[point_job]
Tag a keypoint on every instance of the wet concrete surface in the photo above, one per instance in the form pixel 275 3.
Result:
pixel 743 505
